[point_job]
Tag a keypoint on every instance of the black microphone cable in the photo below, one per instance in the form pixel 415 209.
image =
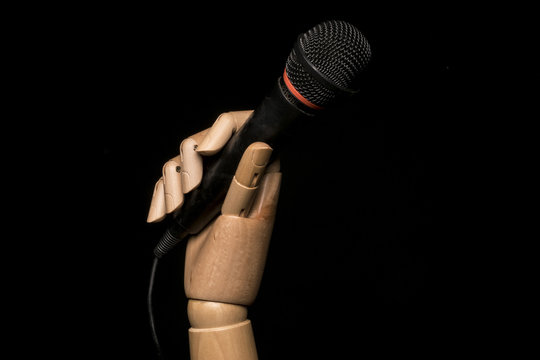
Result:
pixel 151 307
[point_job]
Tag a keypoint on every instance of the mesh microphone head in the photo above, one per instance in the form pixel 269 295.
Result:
pixel 326 62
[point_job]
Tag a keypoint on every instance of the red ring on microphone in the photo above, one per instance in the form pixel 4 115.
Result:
pixel 296 94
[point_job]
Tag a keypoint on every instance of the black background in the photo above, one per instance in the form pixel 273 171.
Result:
pixel 372 251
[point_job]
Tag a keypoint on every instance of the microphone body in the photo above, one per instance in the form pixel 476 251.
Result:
pixel 323 66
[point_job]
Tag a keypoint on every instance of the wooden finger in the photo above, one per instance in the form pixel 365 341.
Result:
pixel 157 210
pixel 172 184
pixel 191 165
pixel 246 179
pixel 221 131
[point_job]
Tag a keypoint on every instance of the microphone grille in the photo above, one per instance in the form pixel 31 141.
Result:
pixel 335 49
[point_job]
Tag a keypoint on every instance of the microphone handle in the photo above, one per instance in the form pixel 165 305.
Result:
pixel 271 123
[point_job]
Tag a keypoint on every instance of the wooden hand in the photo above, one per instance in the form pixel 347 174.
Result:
pixel 225 261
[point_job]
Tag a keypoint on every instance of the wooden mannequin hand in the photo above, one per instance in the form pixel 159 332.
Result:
pixel 184 172
pixel 225 261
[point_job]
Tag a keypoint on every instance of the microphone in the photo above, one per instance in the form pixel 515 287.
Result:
pixel 322 68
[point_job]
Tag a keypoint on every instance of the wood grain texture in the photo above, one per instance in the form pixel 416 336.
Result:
pixel 229 268
pixel 225 262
